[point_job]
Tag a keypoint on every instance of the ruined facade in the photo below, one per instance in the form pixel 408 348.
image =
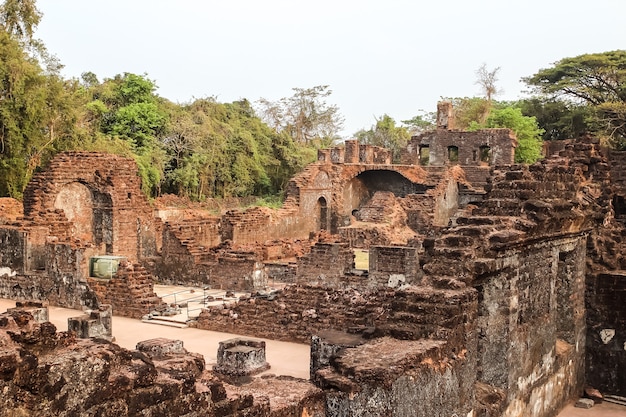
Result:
pixel 492 289
pixel 82 205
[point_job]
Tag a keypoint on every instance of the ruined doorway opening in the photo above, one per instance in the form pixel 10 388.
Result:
pixel 453 153
pixel 386 180
pixel 322 209
pixel 103 221
pixel 565 287
pixel 424 154
pixel 619 207
pixel 361 259
pixel 485 154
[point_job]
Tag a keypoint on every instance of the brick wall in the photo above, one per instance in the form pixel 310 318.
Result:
pixel 502 144
pixel 327 264
pixel 119 216
pixel 393 266
pixel 300 311
pixel 130 292
pixel 62 283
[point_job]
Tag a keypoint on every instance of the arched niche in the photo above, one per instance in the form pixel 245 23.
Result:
pixel 76 201
pixel 322 180
pixel 322 214
pixel 362 187
pixel 90 212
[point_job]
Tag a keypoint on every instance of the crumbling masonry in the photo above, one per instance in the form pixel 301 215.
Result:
pixel 493 289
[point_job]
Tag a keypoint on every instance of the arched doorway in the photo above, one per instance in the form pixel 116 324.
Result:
pixel 322 210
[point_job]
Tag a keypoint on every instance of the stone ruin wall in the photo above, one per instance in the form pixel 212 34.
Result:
pixel 343 180
pixel 301 311
pixel 130 292
pixel 501 144
pixel 528 269
pixel 83 205
pixel 101 195
pixel 606 335
pixel 520 253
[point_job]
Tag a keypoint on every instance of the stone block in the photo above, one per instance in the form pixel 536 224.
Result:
pixel 241 357
pixel 93 324
pixel 584 403
pixel 326 345
pixel 160 347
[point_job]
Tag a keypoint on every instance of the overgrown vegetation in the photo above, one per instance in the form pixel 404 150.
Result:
pixel 583 94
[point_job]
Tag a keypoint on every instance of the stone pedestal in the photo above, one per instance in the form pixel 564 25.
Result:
pixel 241 357
pixel 161 347
pixel 94 323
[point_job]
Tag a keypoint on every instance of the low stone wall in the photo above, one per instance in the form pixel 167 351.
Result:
pixel 397 377
pixel 61 282
pixel 326 264
pixel 130 292
pixel 301 311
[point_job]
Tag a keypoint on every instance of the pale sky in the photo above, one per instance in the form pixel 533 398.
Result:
pixel 395 57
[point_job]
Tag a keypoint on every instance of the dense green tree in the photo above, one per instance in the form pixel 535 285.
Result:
pixel 420 123
pixel 385 133
pixel 219 150
pixel 595 80
pixel 35 115
pixel 559 119
pixel 305 116
pixel 468 110
pixel 202 149
pixel 525 128
pixel 19 18
pixel 126 116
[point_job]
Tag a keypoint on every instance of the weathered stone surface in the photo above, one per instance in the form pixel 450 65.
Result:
pixel 38 309
pixel 93 324
pixel 406 314
pixel 241 357
pixel 45 373
pixel 393 377
pixel 130 291
pixel 584 403
pixel 326 345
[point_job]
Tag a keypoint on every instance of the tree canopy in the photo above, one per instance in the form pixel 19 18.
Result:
pixel 205 149
pixel 525 128
pixel 596 81
pixel 305 116
pixel 473 113
pixel 385 133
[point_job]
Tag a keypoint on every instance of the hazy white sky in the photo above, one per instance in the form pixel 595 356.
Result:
pixel 395 56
